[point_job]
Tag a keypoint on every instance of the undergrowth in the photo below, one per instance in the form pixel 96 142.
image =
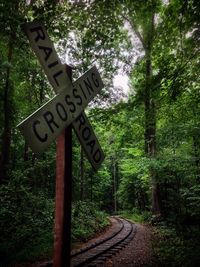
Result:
pixel 87 220
pixel 136 215
pixel 176 249
pixel 27 223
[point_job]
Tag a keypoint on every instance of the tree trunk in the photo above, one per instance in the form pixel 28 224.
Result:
pixel 150 116
pixel 82 175
pixel 115 185
pixel 196 153
pixel 6 135
pixel 25 151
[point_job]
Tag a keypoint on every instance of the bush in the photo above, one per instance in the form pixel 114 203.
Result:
pixel 86 220
pixel 26 221
pixel 136 215
pixel 173 250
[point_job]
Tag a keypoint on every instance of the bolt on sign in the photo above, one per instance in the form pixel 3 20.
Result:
pixel 46 123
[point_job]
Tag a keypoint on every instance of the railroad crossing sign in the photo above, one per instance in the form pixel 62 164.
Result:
pixel 45 124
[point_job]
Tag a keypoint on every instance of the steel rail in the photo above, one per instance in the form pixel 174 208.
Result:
pixel 98 252
pixel 74 254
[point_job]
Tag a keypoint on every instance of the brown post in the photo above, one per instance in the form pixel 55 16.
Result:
pixel 62 235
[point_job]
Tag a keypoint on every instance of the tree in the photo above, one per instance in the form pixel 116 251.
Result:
pixel 134 13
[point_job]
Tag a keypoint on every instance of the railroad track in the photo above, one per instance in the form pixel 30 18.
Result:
pixel 97 253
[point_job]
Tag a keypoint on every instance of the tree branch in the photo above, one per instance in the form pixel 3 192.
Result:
pixel 136 31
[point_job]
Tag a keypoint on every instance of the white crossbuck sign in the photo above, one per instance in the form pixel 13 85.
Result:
pixel 45 124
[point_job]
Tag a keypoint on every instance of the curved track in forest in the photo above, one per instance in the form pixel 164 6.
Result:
pixel 97 253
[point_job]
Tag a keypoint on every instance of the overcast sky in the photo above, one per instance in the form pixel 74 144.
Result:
pixel 122 81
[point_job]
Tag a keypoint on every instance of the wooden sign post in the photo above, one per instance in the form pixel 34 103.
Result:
pixel 62 229
pixel 55 119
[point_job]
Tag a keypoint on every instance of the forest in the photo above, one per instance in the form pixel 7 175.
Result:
pixel 150 133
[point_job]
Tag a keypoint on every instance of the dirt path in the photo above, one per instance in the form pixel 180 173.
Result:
pixel 138 253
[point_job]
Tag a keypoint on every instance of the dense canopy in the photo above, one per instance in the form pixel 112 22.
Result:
pixel 150 136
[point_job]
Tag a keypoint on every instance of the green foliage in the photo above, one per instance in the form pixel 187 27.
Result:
pixel 191 200
pixel 136 215
pixel 173 250
pixel 87 220
pixel 26 220
pixel 133 189
pixel 159 46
